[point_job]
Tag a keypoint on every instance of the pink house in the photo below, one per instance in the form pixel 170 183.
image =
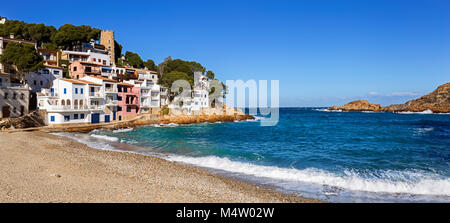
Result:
pixel 79 69
pixel 128 100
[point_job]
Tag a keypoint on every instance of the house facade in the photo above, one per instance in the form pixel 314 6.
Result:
pixel 128 100
pixel 200 94
pixel 108 93
pixel 14 98
pixel 150 91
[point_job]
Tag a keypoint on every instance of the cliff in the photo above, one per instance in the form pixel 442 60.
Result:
pixel 437 101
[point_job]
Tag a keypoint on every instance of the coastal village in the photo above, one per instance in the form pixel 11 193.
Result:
pixel 94 89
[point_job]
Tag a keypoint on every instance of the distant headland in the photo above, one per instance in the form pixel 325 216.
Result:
pixel 437 101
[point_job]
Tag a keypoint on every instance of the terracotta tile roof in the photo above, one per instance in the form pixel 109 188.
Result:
pixel 53 66
pixel 74 81
pixel 126 84
pixel 91 63
pixel 47 50
pixel 90 83
pixel 104 78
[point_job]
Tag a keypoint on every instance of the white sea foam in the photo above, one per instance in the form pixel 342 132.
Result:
pixel 428 111
pixel 85 140
pixel 390 182
pixel 108 138
pixel 326 110
pixel 123 130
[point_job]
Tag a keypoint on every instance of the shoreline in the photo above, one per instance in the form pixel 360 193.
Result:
pixel 41 167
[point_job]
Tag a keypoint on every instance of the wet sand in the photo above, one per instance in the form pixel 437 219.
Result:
pixel 40 167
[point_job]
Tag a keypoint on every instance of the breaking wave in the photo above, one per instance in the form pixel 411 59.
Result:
pixel 407 182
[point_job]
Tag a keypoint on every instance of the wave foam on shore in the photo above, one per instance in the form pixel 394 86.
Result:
pixel 391 182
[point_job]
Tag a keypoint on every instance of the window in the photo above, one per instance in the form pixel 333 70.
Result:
pixel 52 118
pixel 14 95
pixel 65 90
pixel 22 110
pixel 45 71
pixel 76 90
pixel 67 118
pixel 34 82
pixel 75 116
pixel 81 90
pixel 119 98
pixel 74 68
pixel 41 83
pixel 128 109
pixel 104 62
pixel 56 72
pixel 88 69
pixel 95 60
pixel 81 116
pixel 22 96
pixel 119 108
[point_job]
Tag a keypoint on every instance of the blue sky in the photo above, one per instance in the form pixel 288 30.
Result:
pixel 322 52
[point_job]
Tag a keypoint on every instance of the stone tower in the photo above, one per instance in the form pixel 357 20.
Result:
pixel 107 40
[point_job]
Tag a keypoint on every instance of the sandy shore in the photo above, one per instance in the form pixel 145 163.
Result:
pixel 40 167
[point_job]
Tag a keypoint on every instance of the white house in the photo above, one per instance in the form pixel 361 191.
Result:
pixel 68 102
pixel 198 98
pixel 89 56
pixel 201 92
pixel 108 92
pixel 14 98
pixel 43 78
pixel 150 96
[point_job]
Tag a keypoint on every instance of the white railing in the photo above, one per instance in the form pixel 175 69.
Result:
pixel 111 90
pixel 94 94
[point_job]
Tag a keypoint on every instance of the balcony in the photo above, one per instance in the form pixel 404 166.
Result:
pixel 111 103
pixel 110 90
pixel 47 93
pixel 95 95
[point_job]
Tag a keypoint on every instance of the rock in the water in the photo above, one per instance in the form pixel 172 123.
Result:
pixel 360 105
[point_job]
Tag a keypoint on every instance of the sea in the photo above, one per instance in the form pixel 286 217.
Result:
pixel 332 156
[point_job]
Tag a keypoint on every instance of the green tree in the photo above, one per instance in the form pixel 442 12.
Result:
pixel 134 60
pixel 27 31
pixel 150 64
pixel 117 51
pixel 167 79
pixel 23 56
pixel 210 75
pixel 69 36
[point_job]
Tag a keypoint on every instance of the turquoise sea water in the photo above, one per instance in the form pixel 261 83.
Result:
pixel 333 156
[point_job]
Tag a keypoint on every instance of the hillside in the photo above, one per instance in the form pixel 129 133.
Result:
pixel 437 101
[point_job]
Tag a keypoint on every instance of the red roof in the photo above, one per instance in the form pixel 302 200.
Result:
pixel 103 78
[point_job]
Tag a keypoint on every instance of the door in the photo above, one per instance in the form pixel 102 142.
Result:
pixel 107 118
pixel 95 118
pixel 6 111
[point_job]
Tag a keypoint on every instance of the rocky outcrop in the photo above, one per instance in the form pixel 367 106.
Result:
pixel 34 119
pixel 360 105
pixel 437 101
